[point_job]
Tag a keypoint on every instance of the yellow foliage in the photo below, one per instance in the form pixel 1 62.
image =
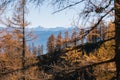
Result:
pixel 105 52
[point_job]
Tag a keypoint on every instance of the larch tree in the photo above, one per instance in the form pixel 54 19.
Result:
pixel 40 50
pixel 94 35
pixel 51 44
pixel 59 42
pixel 66 38
pixel 110 32
pixel 102 30
pixel 19 24
pixel 81 33
pixel 18 20
pixel 117 36
pixel 74 37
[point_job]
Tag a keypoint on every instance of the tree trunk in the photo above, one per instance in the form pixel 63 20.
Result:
pixel 23 39
pixel 117 37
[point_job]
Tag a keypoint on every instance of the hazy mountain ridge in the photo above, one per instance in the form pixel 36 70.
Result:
pixel 43 33
pixel 39 28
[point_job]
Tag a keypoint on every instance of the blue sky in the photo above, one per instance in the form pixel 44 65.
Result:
pixel 44 17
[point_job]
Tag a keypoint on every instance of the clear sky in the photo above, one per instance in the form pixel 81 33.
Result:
pixel 44 17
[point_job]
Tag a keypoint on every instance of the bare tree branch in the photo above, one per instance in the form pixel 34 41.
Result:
pixel 71 5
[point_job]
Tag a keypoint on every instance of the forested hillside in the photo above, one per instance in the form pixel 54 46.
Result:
pixel 80 61
pixel 68 58
pixel 91 51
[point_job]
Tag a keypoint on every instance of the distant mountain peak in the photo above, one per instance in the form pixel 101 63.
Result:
pixel 59 28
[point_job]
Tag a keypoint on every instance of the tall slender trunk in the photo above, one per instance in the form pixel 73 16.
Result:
pixel 23 40
pixel 117 37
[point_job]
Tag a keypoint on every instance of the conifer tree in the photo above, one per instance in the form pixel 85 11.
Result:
pixel 51 44
pixel 81 33
pixel 18 23
pixel 59 41
pixel 40 50
pixel 93 36
pixel 74 37
pixel 66 39
pixel 102 28
pixel 117 36
pixel 110 31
